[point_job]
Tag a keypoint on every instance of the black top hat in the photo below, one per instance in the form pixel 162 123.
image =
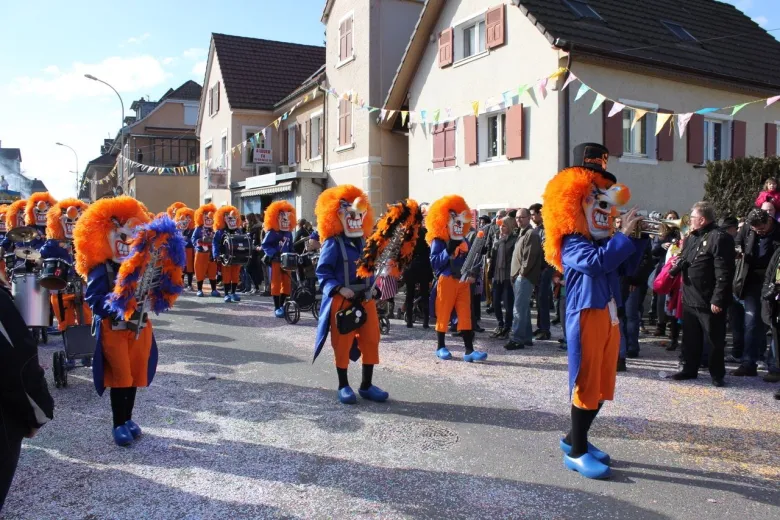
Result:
pixel 593 156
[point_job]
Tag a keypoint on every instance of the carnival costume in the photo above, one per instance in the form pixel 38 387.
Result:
pixel 173 208
pixel 226 222
pixel 448 221
pixel 203 241
pixel 185 223
pixel 3 227
pixel 580 204
pixel 116 246
pixel 60 224
pixel 278 224
pixel 14 218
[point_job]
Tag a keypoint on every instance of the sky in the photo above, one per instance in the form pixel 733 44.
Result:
pixel 47 46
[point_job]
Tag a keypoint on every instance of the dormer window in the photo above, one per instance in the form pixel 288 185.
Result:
pixel 678 30
pixel 582 9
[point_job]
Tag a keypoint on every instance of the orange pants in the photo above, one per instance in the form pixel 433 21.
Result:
pixel 280 280
pixel 71 317
pixel 231 274
pixel 600 343
pixel 190 254
pixel 125 359
pixel 367 335
pixel 451 294
pixel 205 268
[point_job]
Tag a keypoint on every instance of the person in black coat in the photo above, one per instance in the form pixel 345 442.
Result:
pixel 418 273
pixel 633 290
pixel 770 313
pixel 25 402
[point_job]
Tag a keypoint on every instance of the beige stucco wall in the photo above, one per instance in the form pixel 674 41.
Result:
pixel 306 193
pixel 254 120
pixel 667 184
pixel 299 117
pixel 525 57
pixel 158 192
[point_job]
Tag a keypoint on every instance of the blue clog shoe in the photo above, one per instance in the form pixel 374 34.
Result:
pixel 215 293
pixel 347 396
pixel 200 294
pixel 279 313
pixel 122 436
pixel 444 354
pixel 227 298
pixel 587 466
pixel 374 393
pixel 236 298
pixel 134 429
pixel 475 356
pixel 600 456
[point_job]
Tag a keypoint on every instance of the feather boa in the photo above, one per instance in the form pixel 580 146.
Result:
pixel 405 213
pixel 161 234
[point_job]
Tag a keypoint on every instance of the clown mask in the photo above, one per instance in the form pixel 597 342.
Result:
pixel 20 218
pixel 2 224
pixel 231 220
pixel 121 237
pixel 40 211
pixel 284 221
pixel 352 215
pixel 601 206
pixel 457 224
pixel 208 220
pixel 68 221
pixel 183 223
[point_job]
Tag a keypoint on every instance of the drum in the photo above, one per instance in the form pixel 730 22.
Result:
pixel 32 300
pixel 236 250
pixel 289 261
pixel 54 276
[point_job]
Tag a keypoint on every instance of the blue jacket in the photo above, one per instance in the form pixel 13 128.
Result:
pixel 53 249
pixel 277 242
pixel 440 259
pixel 187 234
pixel 197 237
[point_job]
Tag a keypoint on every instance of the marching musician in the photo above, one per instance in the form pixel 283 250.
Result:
pixel 173 208
pixel 203 239
pixel 226 223
pixel 185 223
pixel 3 227
pixel 14 218
pixel 278 239
pixel 36 210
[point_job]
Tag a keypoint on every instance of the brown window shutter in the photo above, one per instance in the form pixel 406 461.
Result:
pixel 343 40
pixel 348 24
pixel 445 48
pixel 738 139
pixel 470 139
pixel 322 137
pixel 307 141
pixel 665 139
pixel 695 133
pixel 285 144
pixel 216 105
pixel 297 137
pixel 347 121
pixel 342 114
pixel 495 26
pixel 438 147
pixel 613 131
pixel 770 140
pixel 515 140
pixel 449 144
pixel 211 101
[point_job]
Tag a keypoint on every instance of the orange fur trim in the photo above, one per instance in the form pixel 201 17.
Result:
pixel 54 229
pixel 206 208
pixel 90 237
pixel 3 207
pixel 181 213
pixel 219 217
pixel 173 208
pixel 35 198
pixel 271 220
pixel 160 214
pixel 11 212
pixel 327 208
pixel 437 221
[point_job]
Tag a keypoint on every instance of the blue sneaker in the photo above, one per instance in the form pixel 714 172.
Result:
pixel 374 393
pixel 279 313
pixel 236 298
pixel 122 436
pixel 347 396
pixel 475 356
pixel 215 293
pixel 597 453
pixel 227 298
pixel 200 294
pixel 587 466
pixel 133 428
pixel 444 354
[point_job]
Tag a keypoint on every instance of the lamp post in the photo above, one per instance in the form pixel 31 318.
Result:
pixel 121 126
pixel 77 166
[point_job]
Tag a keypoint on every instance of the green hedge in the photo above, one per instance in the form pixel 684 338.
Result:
pixel 732 186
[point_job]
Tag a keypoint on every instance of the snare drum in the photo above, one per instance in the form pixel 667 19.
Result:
pixel 54 276
pixel 32 300
pixel 289 261
pixel 236 250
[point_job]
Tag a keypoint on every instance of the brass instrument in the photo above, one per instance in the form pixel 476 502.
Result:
pixel 388 255
pixel 652 224
pixel 474 257
pixel 150 280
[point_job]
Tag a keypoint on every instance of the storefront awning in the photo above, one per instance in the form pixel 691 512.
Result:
pixel 267 190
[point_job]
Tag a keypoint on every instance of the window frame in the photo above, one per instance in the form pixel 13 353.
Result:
pixel 651 140
pixel 248 131
pixel 351 144
pixel 208 148
pixel 191 106
pixel 435 132
pixel 292 130
pixel 725 136
pixel 630 151
pixel 339 61
pixel 677 28
pixel 475 21
pixel 224 148
pixel 312 117
pixel 575 7
pixel 483 137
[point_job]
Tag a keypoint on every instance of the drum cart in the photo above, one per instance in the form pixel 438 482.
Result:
pixel 78 340
pixel 305 296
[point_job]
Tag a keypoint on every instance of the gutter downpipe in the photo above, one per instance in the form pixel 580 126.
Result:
pixel 563 152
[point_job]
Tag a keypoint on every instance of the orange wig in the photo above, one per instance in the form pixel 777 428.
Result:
pixel 11 221
pixel 206 208
pixel 3 207
pixel 272 214
pixel 184 212
pixel 329 204
pixel 35 198
pixel 437 221
pixel 54 229
pixel 90 238
pixel 219 217
pixel 173 208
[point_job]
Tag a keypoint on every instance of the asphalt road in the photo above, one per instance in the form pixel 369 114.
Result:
pixel 240 424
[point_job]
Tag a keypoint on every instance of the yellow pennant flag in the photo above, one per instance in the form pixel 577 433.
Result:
pixel 475 107
pixel 558 73
pixel 276 123
pixel 306 98
pixel 661 121
pixel 638 114
pixel 404 115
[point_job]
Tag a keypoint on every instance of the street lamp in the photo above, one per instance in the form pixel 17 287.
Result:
pixel 121 126
pixel 77 166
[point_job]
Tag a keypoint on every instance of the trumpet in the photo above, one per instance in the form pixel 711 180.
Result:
pixel 653 224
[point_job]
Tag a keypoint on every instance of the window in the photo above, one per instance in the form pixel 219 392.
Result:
pixel 444 145
pixel 214 99
pixel 346 50
pixel 678 30
pixel 634 139
pixel 207 159
pixel 314 137
pixel 470 38
pixel 260 142
pixel 190 115
pixel 224 151
pixel 582 9
pixel 292 141
pixel 345 122
pixel 496 136
pixel 715 140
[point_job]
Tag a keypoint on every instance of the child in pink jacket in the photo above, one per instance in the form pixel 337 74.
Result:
pixel 671 286
pixel 770 194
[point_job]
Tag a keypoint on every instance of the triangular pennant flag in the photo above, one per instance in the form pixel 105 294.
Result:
pixel 449 113
pixel 423 113
pixel 597 102
pixel 507 98
pixel 707 111
pixel 305 98
pixel 682 122
pixel 571 78
pixel 581 92
pixel 382 114
pixel 276 123
pixel 436 115
pixel 264 131
pixel 771 101
pixel 738 108
pixel 638 114
pixel 284 116
pixel 542 86
pixel 372 109
pixel 404 115
pixel 475 107
pixel 521 90
pixel 558 73
pixel 391 113
pixel 616 109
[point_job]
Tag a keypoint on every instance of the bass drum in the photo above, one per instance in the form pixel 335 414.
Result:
pixel 54 276
pixel 237 250
pixel 32 300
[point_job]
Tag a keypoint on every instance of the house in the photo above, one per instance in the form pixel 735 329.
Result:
pixel 160 137
pixel 655 56
pixel 11 177
pixel 249 83
pixel 98 181
pixel 365 42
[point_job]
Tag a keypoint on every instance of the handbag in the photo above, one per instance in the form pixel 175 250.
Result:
pixel 351 319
